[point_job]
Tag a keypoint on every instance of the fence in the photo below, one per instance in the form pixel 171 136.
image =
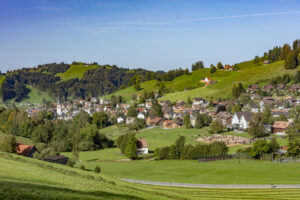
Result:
pixel 287 159
pixel 216 158
pixel 238 155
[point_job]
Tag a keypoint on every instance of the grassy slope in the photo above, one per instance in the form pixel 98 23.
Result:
pixel 36 96
pixel 247 74
pixel 75 71
pixel 20 139
pixel 24 178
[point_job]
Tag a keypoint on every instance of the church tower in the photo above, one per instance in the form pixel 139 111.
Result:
pixel 58 108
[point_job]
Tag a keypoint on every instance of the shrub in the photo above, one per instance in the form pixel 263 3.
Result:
pixel 9 144
pixel 70 163
pixel 97 169
pixel 82 167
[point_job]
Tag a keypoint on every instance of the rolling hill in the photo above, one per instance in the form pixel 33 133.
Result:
pixel 246 74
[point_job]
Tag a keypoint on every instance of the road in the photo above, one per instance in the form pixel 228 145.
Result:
pixel 207 185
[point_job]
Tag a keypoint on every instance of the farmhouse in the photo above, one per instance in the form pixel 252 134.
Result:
pixel 279 127
pixel 240 120
pixel 142 146
pixel 169 124
pixel 26 150
pixel 154 121
pixel 229 67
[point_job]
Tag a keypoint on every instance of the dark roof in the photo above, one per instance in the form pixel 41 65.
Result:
pixel 253 105
pixel 198 99
pixel 247 115
pixel 141 143
pixel 55 158
pixel 25 150
pixel 254 87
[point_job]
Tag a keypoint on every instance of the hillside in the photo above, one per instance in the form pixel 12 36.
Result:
pixel 247 74
pixel 25 178
pixel 76 71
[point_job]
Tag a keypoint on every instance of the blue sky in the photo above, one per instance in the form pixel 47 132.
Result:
pixel 152 34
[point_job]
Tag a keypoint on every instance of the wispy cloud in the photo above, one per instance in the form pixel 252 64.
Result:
pixel 209 18
pixel 116 28
pixel 52 9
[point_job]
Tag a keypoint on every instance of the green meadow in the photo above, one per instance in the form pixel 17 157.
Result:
pixel 75 71
pixel 189 85
pixel 25 178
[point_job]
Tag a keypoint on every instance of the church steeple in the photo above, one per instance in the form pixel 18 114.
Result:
pixel 58 107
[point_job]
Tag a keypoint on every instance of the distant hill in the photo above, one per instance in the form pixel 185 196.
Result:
pixel 82 80
pixel 78 80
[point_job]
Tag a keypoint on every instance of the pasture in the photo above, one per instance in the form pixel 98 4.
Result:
pixel 75 71
pixel 190 171
pixel 189 85
pixel 25 178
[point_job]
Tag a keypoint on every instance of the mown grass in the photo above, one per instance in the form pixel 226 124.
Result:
pixel 111 154
pixel 75 71
pixel 191 171
pixel 24 178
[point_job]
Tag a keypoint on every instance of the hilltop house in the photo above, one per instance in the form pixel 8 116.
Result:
pixel 142 146
pixel 240 120
pixel 207 81
pixel 229 67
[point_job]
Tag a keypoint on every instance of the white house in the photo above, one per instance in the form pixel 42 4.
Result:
pixel 240 120
pixel 120 120
pixel 142 146
pixel 141 115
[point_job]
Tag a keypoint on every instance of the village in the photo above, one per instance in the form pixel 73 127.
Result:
pixel 234 114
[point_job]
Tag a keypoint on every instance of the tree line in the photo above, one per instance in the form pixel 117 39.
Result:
pixel 50 137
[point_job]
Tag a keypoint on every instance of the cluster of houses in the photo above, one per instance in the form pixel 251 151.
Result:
pixel 173 113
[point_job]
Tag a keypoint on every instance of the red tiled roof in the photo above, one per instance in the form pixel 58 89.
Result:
pixel 281 124
pixel 24 150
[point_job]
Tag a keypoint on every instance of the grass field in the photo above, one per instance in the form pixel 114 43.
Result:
pixel 111 154
pixel 159 137
pixel 247 74
pixel 75 71
pixel 24 178
pixel 190 171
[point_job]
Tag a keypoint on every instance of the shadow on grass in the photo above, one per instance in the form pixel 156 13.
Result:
pixel 18 190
